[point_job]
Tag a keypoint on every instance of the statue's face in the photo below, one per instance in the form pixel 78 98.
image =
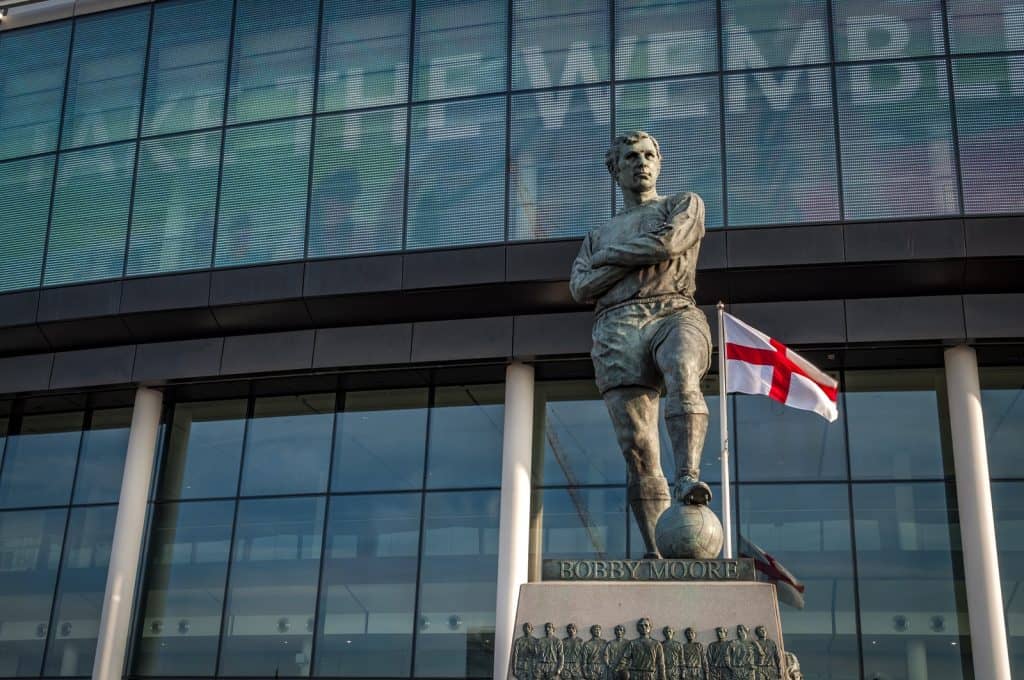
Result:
pixel 528 628
pixel 620 630
pixel 741 632
pixel 595 631
pixel 639 166
pixel 571 629
pixel 762 632
pixel 722 633
pixel 690 634
pixel 643 626
pixel 668 632
pixel 549 628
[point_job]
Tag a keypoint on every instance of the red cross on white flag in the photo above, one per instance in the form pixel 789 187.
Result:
pixel 758 364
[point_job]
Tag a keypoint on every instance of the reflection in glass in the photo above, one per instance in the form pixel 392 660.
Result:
pixel 364 54
pixel 379 444
pixel 1008 503
pixel 288 445
pixel 897 141
pixel 654 39
pixel 368 595
pixel 458 573
pixel 887 29
pixel 272 591
pixel 807 528
pixel 101 462
pixel 556 183
pixel 179 621
pixel 30 544
pixel 912 601
pixel 985 25
pixel 895 421
pixel 582 523
pixel 466 426
pixel 39 463
pixel 358 183
pixel 205 450
pixel 559 43
pixel 79 601
pixel 460 48
pixel 1002 405
pixel 774 33
pixel 23 229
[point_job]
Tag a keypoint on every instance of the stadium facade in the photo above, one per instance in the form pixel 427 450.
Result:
pixel 291 382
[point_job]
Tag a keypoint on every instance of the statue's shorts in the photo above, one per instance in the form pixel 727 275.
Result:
pixel 629 338
pixel 544 670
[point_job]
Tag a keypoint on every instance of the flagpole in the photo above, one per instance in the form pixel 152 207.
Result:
pixel 723 426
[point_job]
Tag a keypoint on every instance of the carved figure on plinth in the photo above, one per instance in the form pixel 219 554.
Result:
pixel 649 337
pixel 742 653
pixel 524 653
pixel 617 646
pixel 643 658
pixel 673 654
pixel 695 661
pixel 572 650
pixel 550 656
pixel 595 655
pixel 793 671
pixel 770 664
pixel 718 656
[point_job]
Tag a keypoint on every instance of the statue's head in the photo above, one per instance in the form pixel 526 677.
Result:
pixel 595 631
pixel 668 632
pixel 571 629
pixel 722 632
pixel 527 628
pixel 761 632
pixel 549 628
pixel 634 161
pixel 643 626
pixel 742 632
pixel 690 634
pixel 620 631
pixel 793 671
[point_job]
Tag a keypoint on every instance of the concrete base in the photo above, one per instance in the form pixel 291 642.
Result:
pixel 702 606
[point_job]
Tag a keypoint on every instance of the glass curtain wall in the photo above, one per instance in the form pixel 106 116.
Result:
pixel 862 511
pixel 216 133
pixel 349 533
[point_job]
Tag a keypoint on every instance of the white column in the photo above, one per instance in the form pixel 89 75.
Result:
pixel 514 530
pixel 126 547
pixel 917 660
pixel 977 524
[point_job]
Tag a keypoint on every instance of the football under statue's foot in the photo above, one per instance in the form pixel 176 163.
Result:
pixel 692 491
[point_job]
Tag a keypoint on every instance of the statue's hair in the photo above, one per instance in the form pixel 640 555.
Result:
pixel 611 156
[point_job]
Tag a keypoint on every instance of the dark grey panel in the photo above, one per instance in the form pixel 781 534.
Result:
pixel 995 236
pixel 541 261
pixel 256 284
pixel 263 317
pixel 803 322
pixel 287 351
pixel 106 330
pixel 25 373
pixel 778 246
pixel 924 239
pixel 353 275
pixel 171 325
pixel 182 359
pixel 547 334
pixel 19 309
pixel 938 317
pixel 465 267
pixel 994 316
pixel 363 345
pixel 157 293
pixel 462 339
pixel 713 250
pixel 89 367
pixel 993 274
pixel 23 340
pixel 79 302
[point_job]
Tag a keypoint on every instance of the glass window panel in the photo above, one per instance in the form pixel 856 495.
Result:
pixel 761 33
pixel 457 174
pixel 807 528
pixel 364 54
pixel 32 87
pixel 985 25
pixel 90 215
pixel 180 619
pixel 358 183
pixel 288 445
pixel 263 193
pixel 558 141
pixel 272 593
pixel 79 601
pixel 368 597
pixel 656 38
pixel 188 61
pixel 559 43
pixel 1002 404
pixel 101 462
pixel 683 115
pixel 910 579
pixel 460 48
pixel 780 146
pixel 272 61
pixel 896 422
pixel 30 543
pixel 458 573
pixel 39 462
pixel 105 78
pixel 175 199
pixel 775 442
pixel 466 425
pixel 887 29
pixel 23 229
pixel 897 140
pixel 989 100
pixel 381 440
pixel 582 523
pixel 205 450
pixel 1008 503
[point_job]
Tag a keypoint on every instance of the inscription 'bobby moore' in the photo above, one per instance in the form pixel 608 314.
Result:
pixel 649 570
